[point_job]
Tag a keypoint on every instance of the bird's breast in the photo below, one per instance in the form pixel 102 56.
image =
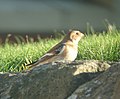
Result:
pixel 70 53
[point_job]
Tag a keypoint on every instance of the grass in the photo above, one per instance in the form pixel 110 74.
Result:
pixel 105 47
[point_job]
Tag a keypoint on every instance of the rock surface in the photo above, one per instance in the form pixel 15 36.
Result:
pixel 105 86
pixel 61 80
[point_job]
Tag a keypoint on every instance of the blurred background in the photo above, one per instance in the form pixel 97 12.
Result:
pixel 32 17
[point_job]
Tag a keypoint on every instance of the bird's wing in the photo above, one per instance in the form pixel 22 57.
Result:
pixel 54 52
pixel 58 50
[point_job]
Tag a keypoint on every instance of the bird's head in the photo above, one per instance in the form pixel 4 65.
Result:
pixel 75 36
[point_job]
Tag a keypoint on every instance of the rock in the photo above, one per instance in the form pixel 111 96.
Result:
pixel 105 86
pixel 52 81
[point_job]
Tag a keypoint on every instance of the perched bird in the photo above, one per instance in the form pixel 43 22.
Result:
pixel 64 51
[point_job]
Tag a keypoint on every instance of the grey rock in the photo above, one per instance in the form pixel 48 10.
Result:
pixel 52 81
pixel 105 86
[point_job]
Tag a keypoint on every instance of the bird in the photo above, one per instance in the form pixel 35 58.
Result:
pixel 65 51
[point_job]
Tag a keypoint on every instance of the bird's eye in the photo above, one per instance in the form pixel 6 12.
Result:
pixel 77 33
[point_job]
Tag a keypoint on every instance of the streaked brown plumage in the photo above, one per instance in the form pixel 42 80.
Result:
pixel 64 51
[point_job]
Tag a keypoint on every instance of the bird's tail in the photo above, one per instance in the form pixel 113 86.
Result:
pixel 32 64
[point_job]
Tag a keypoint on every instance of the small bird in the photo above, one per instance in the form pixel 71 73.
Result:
pixel 64 51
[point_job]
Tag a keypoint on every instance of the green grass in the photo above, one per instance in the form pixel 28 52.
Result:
pixel 105 47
